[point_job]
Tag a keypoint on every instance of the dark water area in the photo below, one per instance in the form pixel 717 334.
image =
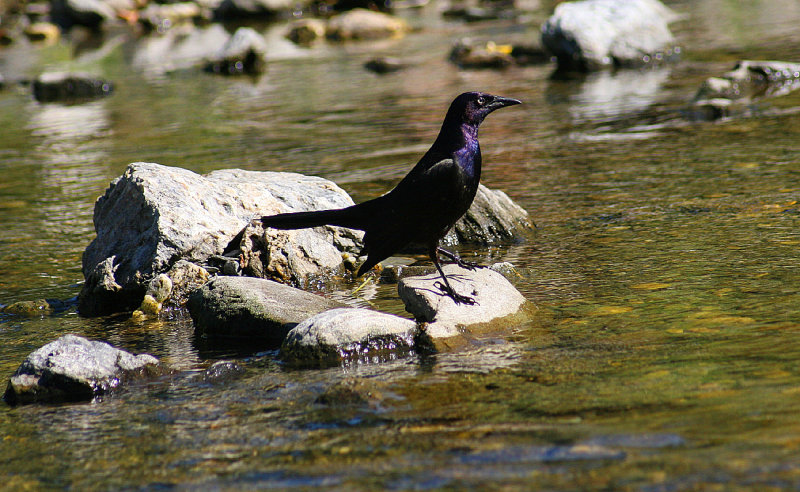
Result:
pixel 665 351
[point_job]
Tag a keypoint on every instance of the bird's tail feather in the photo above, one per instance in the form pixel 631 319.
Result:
pixel 345 217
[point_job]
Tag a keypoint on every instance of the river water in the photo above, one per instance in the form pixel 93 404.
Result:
pixel 665 351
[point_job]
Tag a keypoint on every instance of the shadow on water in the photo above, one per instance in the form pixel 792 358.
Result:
pixel 664 271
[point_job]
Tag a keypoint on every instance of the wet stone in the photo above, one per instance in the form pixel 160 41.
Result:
pixel 29 308
pixel 222 371
pixel 73 368
pixel 252 309
pixel 347 335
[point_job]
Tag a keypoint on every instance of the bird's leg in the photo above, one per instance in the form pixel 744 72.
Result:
pixel 469 265
pixel 446 288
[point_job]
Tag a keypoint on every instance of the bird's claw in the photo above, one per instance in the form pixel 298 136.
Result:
pixel 455 296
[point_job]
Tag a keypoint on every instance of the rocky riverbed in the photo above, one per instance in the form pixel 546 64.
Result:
pixel 658 353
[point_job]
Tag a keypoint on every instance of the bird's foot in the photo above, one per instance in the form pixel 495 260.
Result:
pixel 455 296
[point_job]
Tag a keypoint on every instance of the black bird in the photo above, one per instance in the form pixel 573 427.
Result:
pixel 423 207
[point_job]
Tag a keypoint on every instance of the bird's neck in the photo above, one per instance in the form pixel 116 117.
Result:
pixel 458 139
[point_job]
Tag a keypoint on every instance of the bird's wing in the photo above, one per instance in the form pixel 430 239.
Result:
pixel 420 209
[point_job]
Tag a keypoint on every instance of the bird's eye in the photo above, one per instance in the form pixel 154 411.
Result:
pixel 481 101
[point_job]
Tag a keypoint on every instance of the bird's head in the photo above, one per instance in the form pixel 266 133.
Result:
pixel 473 107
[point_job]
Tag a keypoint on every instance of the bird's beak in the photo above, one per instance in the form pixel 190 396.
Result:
pixel 502 102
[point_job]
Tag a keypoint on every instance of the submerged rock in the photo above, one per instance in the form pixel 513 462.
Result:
pixel 70 87
pixel 244 53
pixel 591 34
pixel 153 216
pixel 223 371
pixel 749 81
pixel 252 309
pixel 353 392
pixel 73 368
pixel 494 296
pixel 36 307
pixel 348 335
pixel 365 24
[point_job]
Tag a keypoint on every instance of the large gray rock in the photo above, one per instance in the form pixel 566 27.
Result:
pixel 592 34
pixel 495 299
pixel 348 335
pixel 153 216
pixel 252 309
pixel 749 81
pixel 244 53
pixel 73 368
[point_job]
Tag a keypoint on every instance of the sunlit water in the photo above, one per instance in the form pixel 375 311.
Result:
pixel 664 352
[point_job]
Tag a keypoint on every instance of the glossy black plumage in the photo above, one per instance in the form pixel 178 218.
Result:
pixel 426 203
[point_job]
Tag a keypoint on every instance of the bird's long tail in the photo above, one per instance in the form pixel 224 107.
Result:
pixel 352 217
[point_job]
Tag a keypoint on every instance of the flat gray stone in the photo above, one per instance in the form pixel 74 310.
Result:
pixel 246 308
pixel 592 34
pixel 347 335
pixel 73 368
pixel 495 298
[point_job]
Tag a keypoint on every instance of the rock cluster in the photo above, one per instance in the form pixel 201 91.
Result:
pixel 162 233
pixel 157 220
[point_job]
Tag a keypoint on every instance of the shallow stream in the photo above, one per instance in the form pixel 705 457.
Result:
pixel 665 352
